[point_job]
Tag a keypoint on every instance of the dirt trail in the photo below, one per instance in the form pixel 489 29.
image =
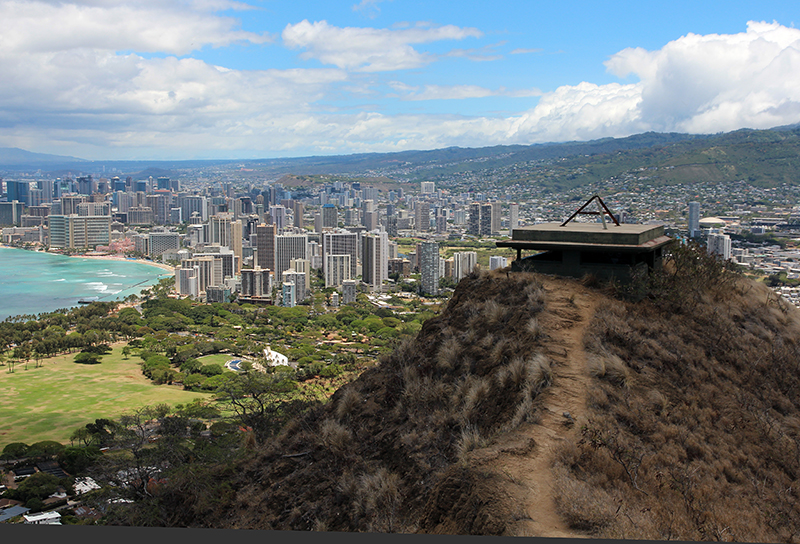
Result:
pixel 524 457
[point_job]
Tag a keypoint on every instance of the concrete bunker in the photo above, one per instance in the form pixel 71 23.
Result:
pixel 606 251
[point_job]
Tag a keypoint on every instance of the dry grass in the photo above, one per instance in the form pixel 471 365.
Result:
pixel 692 427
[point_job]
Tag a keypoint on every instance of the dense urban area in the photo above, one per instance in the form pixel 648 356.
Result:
pixel 287 286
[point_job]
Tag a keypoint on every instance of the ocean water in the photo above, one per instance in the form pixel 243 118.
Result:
pixel 33 282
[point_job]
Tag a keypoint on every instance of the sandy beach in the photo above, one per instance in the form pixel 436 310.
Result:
pixel 108 257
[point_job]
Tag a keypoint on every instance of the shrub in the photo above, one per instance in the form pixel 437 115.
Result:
pixel 86 358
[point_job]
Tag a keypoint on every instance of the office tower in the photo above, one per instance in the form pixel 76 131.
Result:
pixel 375 260
pixel 330 216
pixel 427 187
pixel 513 216
pixel 340 243
pixel 287 248
pixel 694 219
pixel 463 263
pixel 265 246
pixel 337 269
pixel 422 217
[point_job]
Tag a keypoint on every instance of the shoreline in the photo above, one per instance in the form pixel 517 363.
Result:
pixel 120 258
pixel 105 257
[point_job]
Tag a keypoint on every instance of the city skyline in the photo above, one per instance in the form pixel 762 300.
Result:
pixel 257 79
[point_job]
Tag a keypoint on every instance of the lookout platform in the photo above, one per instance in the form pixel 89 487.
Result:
pixel 606 251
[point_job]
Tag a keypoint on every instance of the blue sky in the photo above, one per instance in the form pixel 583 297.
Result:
pixel 183 79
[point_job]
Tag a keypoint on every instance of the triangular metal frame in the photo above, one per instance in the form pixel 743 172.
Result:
pixel 603 213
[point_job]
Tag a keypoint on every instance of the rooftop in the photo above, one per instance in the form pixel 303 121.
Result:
pixel 632 237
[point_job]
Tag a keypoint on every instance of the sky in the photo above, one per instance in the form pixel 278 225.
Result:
pixel 219 79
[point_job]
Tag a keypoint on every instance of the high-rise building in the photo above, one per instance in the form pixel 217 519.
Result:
pixel 287 248
pixel 299 281
pixel 288 295
pixel 349 291
pixel 474 224
pixel 304 266
pixel 73 231
pixel 513 216
pixel 187 281
pixel 427 187
pixel 375 260
pixel 265 246
pixel 298 212
pixel 463 263
pixel 719 244
pixel 11 213
pixel 256 282
pixel 330 216
pixel 278 215
pixel 337 269
pixel 209 271
pixel 340 243
pixel 694 219
pixel 163 241
pixel 496 261
pixel 422 217
pixel 429 267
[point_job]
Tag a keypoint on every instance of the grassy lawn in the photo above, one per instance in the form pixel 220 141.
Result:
pixel 50 402
pixel 219 358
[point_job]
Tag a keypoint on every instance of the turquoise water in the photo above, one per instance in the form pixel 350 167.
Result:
pixel 33 282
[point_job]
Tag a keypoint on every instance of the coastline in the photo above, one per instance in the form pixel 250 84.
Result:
pixel 105 257
pixel 120 258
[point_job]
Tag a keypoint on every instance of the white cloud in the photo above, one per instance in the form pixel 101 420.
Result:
pixel 78 81
pixel 718 82
pixel 164 27
pixel 457 92
pixel 523 51
pixel 369 49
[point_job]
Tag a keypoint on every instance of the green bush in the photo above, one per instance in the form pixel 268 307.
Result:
pixel 86 358
pixel 15 450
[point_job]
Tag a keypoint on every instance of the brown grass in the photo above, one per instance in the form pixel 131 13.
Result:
pixel 692 432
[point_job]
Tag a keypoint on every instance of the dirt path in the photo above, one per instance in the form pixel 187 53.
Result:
pixel 525 456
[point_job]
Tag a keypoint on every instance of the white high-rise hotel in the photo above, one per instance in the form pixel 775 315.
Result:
pixel 375 260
